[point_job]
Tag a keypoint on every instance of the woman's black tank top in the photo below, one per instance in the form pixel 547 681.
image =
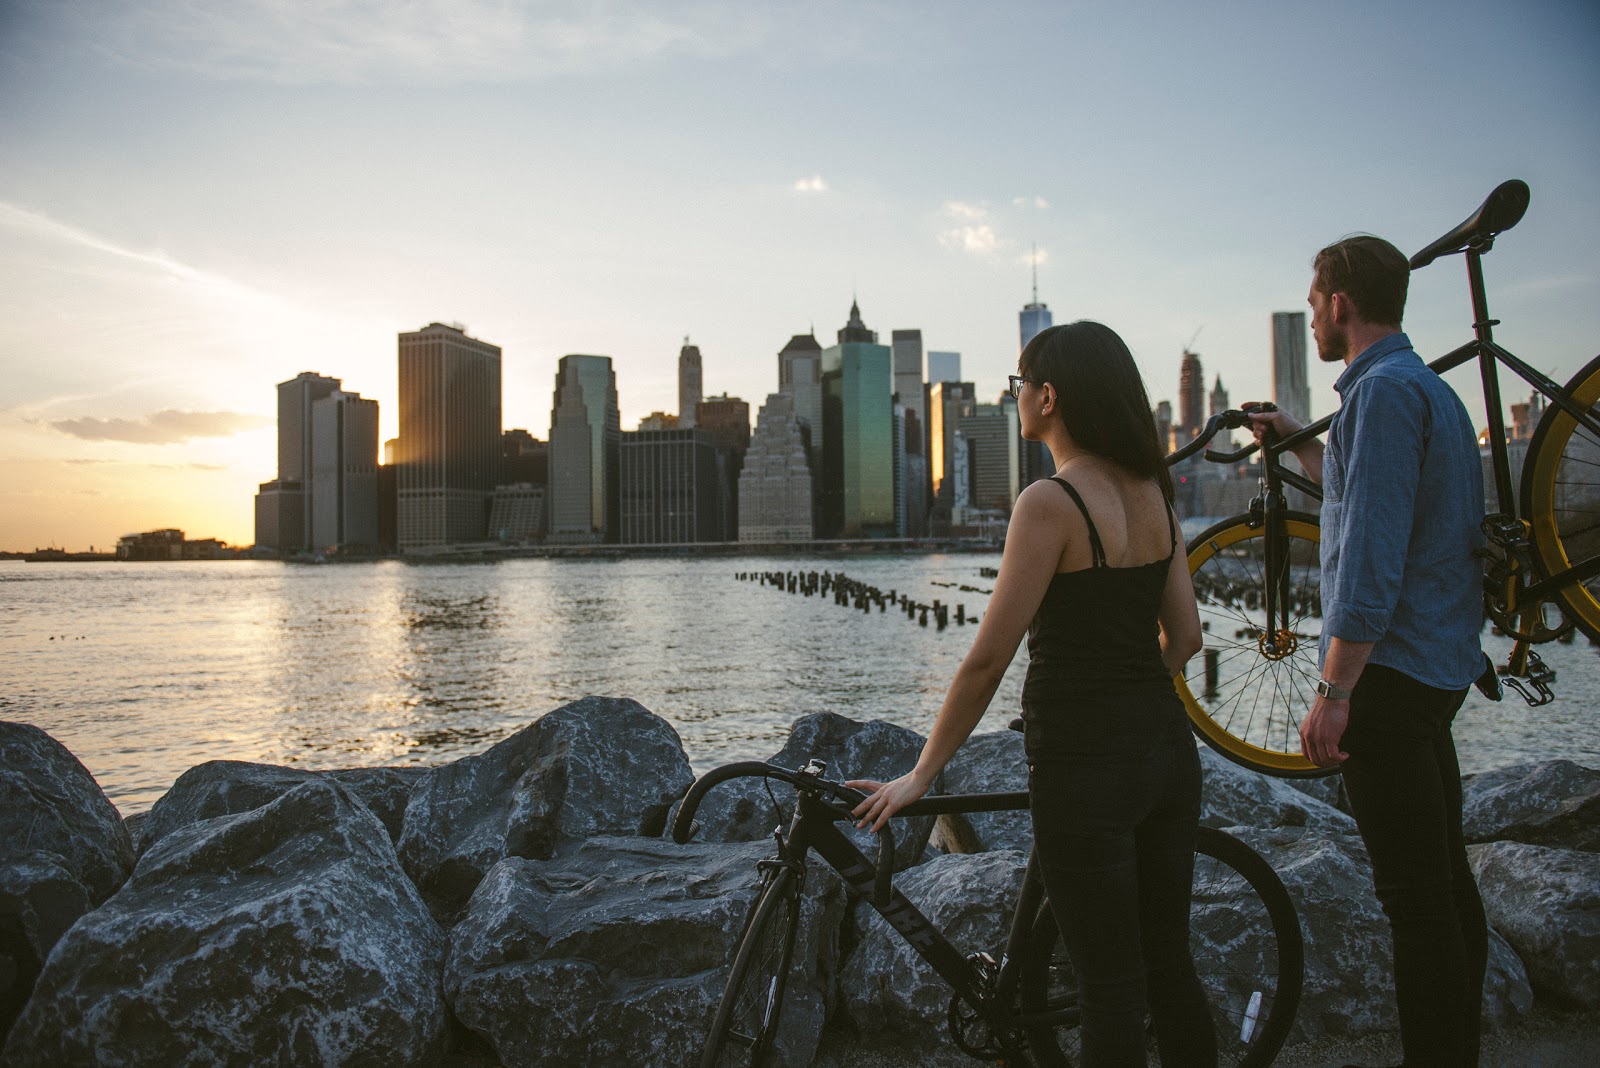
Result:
pixel 1097 632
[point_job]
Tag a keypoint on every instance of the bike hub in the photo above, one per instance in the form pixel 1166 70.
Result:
pixel 1282 645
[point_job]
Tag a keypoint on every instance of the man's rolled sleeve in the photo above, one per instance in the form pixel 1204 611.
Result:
pixel 1386 424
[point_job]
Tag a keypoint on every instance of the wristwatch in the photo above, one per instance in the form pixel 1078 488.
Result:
pixel 1331 692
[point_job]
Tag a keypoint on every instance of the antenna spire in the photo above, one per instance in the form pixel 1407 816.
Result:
pixel 1035 260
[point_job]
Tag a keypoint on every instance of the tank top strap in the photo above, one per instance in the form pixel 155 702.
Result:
pixel 1094 535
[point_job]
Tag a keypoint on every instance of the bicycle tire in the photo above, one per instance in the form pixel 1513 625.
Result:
pixel 1251 712
pixel 1561 497
pixel 746 1021
pixel 1248 951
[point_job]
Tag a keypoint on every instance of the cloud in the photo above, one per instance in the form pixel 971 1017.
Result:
pixel 960 209
pixel 1030 202
pixel 1037 257
pixel 814 184
pixel 165 427
pixel 978 239
pixel 419 41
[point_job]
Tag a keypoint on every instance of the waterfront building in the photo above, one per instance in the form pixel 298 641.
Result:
pixel 800 377
pixel 523 458
pixel 911 476
pixel 948 403
pixel 280 516
pixel 775 486
pixel 1223 442
pixel 585 435
pixel 671 488
pixel 295 398
pixel 689 384
pixel 660 421
pixel 344 472
pixel 1291 384
pixel 1191 396
pixel 449 453
pixel 856 498
pixel 517 513
pixel 991 438
pixel 1035 316
pixel 727 420
pixel 1163 418
pixel 944 367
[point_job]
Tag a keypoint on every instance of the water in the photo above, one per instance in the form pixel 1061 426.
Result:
pixel 144 670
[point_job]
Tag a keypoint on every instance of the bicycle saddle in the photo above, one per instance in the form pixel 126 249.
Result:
pixel 1502 211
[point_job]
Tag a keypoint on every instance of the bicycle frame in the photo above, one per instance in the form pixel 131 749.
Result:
pixel 812 829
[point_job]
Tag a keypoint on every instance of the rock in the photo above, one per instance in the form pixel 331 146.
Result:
pixel 1507 992
pixel 892 993
pixel 1329 789
pixel 599 766
pixel 622 948
pixel 1235 796
pixel 987 763
pixel 1349 961
pixel 741 810
pixel 228 787
pixel 63 851
pixel 1554 803
pixel 285 934
pixel 1547 904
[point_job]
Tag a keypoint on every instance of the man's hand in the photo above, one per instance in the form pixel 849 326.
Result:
pixel 1321 731
pixel 888 799
pixel 1282 423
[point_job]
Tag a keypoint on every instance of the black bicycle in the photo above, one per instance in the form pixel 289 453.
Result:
pixel 1257 575
pixel 1245 937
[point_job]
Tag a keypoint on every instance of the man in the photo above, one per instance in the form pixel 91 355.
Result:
pixel 1402 601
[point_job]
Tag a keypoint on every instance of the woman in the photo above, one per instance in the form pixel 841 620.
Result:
pixel 1094 573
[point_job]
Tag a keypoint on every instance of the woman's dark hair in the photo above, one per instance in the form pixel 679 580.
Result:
pixel 1100 396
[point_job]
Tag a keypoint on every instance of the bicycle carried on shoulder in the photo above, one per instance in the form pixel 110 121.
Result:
pixel 1022 1008
pixel 1257 576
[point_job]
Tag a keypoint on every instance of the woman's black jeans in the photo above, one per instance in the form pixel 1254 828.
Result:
pixel 1114 789
pixel 1405 791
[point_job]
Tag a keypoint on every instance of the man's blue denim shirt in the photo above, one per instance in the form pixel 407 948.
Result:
pixel 1402 507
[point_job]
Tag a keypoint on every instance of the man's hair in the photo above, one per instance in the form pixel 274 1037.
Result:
pixel 1370 271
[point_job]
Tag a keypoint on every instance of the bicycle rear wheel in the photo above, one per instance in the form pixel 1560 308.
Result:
pixel 1243 701
pixel 746 1021
pixel 1248 951
pixel 1561 497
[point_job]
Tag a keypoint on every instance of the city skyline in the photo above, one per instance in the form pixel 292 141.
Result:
pixel 195 205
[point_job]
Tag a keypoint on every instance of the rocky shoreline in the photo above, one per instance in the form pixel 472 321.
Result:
pixel 522 906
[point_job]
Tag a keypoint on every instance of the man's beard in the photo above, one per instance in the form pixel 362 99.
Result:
pixel 1335 348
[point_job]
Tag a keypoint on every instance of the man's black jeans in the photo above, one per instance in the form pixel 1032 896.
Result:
pixel 1114 788
pixel 1405 790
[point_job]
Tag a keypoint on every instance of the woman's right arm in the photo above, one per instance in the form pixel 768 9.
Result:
pixel 1181 637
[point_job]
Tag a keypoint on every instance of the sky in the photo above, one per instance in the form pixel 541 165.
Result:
pixel 202 198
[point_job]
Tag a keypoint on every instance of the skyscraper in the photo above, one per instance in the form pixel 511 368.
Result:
pixel 284 509
pixel 670 485
pixel 449 454
pixel 344 472
pixel 857 494
pixel 1035 315
pixel 1291 388
pixel 800 377
pixel 689 383
pixel 991 438
pixel 1191 396
pixel 585 435
pixel 948 403
pixel 775 495
pixel 911 473
pixel 944 367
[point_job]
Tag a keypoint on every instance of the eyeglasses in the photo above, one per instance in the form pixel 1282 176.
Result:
pixel 1016 384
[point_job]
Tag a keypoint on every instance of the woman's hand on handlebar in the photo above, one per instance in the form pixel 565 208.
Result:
pixel 1279 421
pixel 885 799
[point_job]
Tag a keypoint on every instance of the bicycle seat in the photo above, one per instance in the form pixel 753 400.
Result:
pixel 1502 211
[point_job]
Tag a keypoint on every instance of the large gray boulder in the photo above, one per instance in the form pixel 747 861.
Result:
pixel 1547 904
pixel 1235 796
pixel 618 953
pixel 1349 960
pixel 599 766
pixel 1553 803
pixel 63 851
pixel 741 810
pixel 283 935
pixel 891 993
pixel 227 787
pixel 993 762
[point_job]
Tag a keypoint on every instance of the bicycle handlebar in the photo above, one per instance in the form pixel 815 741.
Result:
pixel 683 826
pixel 1232 419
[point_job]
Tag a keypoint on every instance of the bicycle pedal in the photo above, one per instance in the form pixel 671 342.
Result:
pixel 1538 675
